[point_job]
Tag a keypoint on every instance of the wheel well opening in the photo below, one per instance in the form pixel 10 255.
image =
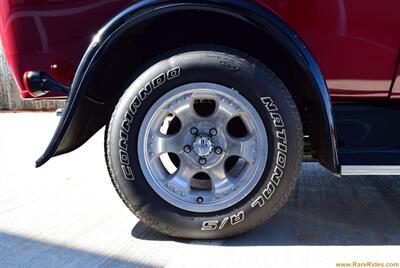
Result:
pixel 139 47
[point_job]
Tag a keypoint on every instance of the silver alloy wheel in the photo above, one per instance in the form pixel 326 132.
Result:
pixel 199 165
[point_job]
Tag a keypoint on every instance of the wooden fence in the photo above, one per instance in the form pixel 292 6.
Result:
pixel 9 94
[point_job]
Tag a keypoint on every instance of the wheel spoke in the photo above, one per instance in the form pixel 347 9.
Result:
pixel 181 178
pixel 217 174
pixel 184 110
pixel 245 148
pixel 225 110
pixel 160 143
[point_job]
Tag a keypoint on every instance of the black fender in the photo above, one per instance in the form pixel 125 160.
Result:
pixel 242 9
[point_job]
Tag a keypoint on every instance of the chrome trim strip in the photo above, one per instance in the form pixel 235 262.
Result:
pixel 370 170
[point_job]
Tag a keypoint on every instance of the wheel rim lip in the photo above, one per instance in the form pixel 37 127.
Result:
pixel 158 186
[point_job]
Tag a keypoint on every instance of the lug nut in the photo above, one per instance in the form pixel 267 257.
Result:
pixel 194 131
pixel 213 132
pixel 200 200
pixel 187 148
pixel 202 161
pixel 218 150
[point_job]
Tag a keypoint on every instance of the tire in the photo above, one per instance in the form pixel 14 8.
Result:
pixel 265 145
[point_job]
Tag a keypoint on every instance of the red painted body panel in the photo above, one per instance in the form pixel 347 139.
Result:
pixel 51 36
pixel 355 42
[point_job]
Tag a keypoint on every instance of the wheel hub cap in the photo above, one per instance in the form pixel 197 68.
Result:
pixel 202 145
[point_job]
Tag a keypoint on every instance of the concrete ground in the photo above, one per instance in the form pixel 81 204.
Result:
pixel 67 214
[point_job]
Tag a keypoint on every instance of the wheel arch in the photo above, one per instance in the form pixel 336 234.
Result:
pixel 106 64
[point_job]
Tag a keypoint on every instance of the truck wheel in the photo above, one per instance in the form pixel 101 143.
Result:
pixel 206 143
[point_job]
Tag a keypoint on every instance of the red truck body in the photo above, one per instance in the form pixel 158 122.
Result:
pixel 356 43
